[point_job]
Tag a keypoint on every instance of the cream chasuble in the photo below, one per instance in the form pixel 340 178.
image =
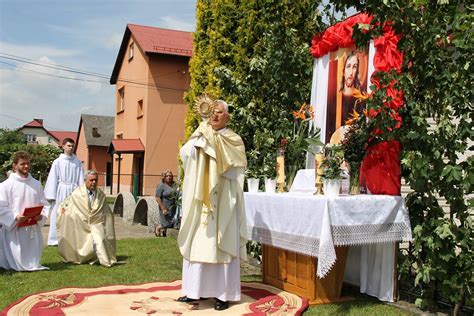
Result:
pixel 86 230
pixel 213 216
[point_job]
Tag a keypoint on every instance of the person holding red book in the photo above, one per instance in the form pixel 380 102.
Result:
pixel 23 209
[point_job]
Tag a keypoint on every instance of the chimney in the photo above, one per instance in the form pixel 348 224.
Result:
pixel 39 121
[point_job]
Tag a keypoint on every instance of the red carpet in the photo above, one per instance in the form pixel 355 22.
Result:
pixel 153 299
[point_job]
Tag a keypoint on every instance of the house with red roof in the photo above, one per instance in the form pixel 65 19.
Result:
pixel 151 75
pixel 36 133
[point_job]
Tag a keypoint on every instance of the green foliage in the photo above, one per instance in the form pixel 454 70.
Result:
pixel 437 82
pixel 255 55
pixel 8 137
pixel 42 156
pixel 331 164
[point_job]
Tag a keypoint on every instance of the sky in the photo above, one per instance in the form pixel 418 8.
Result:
pixel 84 35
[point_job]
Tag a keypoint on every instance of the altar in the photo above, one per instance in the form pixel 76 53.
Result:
pixel 296 228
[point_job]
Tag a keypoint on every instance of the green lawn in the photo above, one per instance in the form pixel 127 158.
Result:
pixel 145 260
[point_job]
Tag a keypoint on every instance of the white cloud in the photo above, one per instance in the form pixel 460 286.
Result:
pixel 171 22
pixel 25 95
pixel 37 51
pixel 85 35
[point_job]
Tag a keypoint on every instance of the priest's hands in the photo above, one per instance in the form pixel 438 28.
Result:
pixel 63 210
pixel 20 218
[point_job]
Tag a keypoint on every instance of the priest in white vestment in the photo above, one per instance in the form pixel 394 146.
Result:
pixel 21 247
pixel 65 175
pixel 85 224
pixel 213 234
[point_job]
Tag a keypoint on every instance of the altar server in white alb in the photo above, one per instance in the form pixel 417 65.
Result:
pixel 65 175
pixel 213 235
pixel 21 247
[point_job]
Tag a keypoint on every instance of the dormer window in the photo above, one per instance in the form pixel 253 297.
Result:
pixel 95 132
pixel 131 49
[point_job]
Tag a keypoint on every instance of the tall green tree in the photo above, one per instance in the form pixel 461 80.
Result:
pixel 255 55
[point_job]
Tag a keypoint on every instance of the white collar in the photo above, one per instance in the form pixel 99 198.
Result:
pixel 64 156
pixel 16 177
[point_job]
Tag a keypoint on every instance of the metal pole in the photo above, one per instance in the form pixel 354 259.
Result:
pixel 118 180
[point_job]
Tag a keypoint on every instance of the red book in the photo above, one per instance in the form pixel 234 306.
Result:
pixel 31 213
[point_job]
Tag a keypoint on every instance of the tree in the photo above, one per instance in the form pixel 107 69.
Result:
pixel 255 55
pixel 8 136
pixel 42 156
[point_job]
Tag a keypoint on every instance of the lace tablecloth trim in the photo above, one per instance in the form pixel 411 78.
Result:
pixel 370 234
pixel 300 244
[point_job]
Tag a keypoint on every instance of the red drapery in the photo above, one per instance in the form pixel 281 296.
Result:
pixel 381 165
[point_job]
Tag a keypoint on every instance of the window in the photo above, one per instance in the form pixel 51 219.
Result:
pixel 95 132
pixel 30 138
pixel 121 101
pixel 140 109
pixel 131 49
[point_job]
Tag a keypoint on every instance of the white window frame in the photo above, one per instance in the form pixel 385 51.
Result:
pixel 131 50
pixel 121 93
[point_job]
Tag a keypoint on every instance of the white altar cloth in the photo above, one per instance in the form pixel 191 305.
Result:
pixel 314 225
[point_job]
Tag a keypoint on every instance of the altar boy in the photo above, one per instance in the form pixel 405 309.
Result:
pixel 21 244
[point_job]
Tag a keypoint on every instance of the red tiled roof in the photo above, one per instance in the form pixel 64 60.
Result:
pixel 163 41
pixel 127 145
pixel 60 135
pixel 154 40
pixel 34 123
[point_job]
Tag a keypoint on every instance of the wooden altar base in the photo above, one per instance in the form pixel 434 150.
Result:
pixel 296 273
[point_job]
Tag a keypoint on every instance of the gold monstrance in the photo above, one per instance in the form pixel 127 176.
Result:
pixel 204 106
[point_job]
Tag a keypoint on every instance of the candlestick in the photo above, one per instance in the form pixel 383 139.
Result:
pixel 280 170
pixel 318 159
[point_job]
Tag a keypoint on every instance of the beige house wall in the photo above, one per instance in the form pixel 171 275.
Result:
pixel 166 115
pixel 42 137
pixel 159 82
pixel 81 148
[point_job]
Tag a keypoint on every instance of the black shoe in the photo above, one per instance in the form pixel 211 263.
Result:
pixel 185 299
pixel 163 233
pixel 158 231
pixel 221 305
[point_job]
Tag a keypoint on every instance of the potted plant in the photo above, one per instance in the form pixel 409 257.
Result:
pixel 354 146
pixel 331 171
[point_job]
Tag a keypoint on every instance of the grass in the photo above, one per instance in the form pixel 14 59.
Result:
pixel 145 260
